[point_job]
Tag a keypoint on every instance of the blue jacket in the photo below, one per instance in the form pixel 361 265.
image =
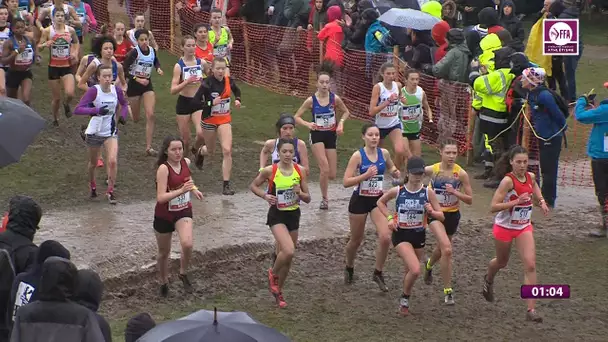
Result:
pixel 597 147
pixel 376 37
pixel 547 118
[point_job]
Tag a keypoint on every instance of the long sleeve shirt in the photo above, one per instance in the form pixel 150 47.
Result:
pixel 92 21
pixel 547 118
pixel 212 85
pixel 597 146
pixel 86 107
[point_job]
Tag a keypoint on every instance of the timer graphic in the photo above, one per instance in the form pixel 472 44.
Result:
pixel 545 291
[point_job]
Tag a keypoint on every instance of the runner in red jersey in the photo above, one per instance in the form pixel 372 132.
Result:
pixel 123 43
pixel 173 210
pixel 204 49
pixel 513 204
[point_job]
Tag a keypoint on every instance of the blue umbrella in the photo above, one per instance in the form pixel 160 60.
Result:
pixel 213 326
pixel 409 18
pixel 19 126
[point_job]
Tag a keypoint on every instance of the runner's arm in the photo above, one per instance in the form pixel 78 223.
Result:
pixel 121 76
pixel 42 14
pixel 506 184
pixel 260 179
pixel 307 105
pixel 153 42
pixel 74 16
pixel 176 86
pixel 122 101
pixel 384 199
pixel 436 213
pixel 427 108
pixel 44 37
pixel 8 53
pixel 85 106
pixel 203 95
pixel 304 194
pixel 88 72
pixel 75 43
pixel 349 178
pixel 536 189
pixel 162 176
pixel 235 89
pixel 304 156
pixel 342 108
pixel 466 195
pixel 265 153
pixel 230 37
pixel 129 60
pixel 374 107
pixel 92 21
pixel 82 67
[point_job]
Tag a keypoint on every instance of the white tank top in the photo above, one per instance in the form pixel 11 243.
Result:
pixel 104 126
pixel 388 117
pixel 4 36
pixel 142 67
pixel 131 35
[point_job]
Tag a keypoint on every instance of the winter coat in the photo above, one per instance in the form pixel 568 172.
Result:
pixel 375 38
pixel 512 24
pixel 455 65
pixel 471 18
pixel 439 32
pixel 88 294
pixel 296 12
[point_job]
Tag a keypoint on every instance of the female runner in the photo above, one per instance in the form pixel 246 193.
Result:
pixel 123 43
pixel 220 37
pixel 513 204
pixel 451 185
pixel 173 211
pixel 286 187
pixel 413 101
pixel 385 107
pixel 85 17
pixel 204 49
pixel 285 129
pixel 64 46
pixel 413 205
pixel 103 48
pixel 371 162
pixel 69 14
pixel 102 130
pixel 187 76
pixel 140 23
pixel 214 95
pixel 19 53
pixel 5 33
pixel 140 62
pixel 324 128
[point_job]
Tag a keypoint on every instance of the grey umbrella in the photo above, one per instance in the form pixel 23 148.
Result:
pixel 19 126
pixel 409 18
pixel 214 326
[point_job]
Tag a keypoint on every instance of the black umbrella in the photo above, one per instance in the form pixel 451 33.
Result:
pixel 213 326
pixel 19 126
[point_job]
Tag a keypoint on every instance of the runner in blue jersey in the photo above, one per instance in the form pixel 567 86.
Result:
pixel 285 129
pixel 18 54
pixel 371 162
pixel 414 204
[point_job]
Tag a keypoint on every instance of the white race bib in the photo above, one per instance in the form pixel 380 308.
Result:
pixel 180 202
pixel 190 71
pixel 521 215
pixel 409 219
pixel 25 58
pixel 446 199
pixel 286 198
pixel 221 109
pixel 220 51
pixel 23 296
pixel 60 51
pixel 390 110
pixel 371 187
pixel 82 17
pixel 325 121
pixel 143 69
pixel 606 142
pixel 411 112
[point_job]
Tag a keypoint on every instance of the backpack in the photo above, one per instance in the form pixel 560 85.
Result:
pixel 561 102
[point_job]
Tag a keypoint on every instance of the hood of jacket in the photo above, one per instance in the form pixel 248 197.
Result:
pixel 488 17
pixel 51 248
pixel 449 9
pixel 138 326
pixel 439 32
pixel 571 12
pixel 513 15
pixel 24 216
pixel 89 289
pixel 490 42
pixel 518 63
pixel 556 9
pixel 58 280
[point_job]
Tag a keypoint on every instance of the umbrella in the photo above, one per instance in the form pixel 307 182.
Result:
pixel 409 18
pixel 204 325
pixel 19 126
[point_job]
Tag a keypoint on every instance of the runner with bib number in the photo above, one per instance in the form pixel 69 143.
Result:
pixel 414 103
pixel 372 163
pixel 173 211
pixel 286 130
pixel 220 37
pixel 414 204
pixel 139 23
pixel 513 204
pixel 324 128
pixel 287 186
pixel 451 185
pixel 19 53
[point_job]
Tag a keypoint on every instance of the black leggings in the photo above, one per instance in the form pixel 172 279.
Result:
pixel 599 167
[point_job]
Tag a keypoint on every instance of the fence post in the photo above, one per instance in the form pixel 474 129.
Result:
pixel 172 29
pixel 247 52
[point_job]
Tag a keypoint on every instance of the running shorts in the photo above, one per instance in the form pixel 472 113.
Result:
pixel 15 77
pixel 451 222
pixel 94 140
pixel 290 218
pixel 136 89
pixel 57 73
pixel 362 204
pixel 411 136
pixel 328 138
pixel 416 237
pixel 508 235
pixel 384 132
pixel 185 106
pixel 165 226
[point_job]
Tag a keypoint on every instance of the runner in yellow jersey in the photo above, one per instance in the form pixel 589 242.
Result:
pixel 451 184
pixel 220 37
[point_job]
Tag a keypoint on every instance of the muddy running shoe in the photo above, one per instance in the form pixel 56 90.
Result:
pixel 164 290
pixel 199 160
pixel 83 135
pixel 404 306
pixel 428 273
pixel 600 232
pixel 93 193
pixel 449 296
pixel 280 300
pixel 227 190
pixel 115 183
pixel 379 280
pixel 273 283
pixel 349 273
pixel 324 204
pixel 67 111
pixel 111 198
pixel 151 152
pixel 56 123
pixel 488 291
pixel 186 282
pixel 533 316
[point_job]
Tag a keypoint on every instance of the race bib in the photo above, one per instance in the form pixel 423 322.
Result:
pixel 411 112
pixel 325 121
pixel 82 17
pixel 22 9
pixel 221 109
pixel 521 215
pixel 446 199
pixel 190 71
pixel 180 202
pixel 371 187
pixel 25 58
pixel 409 219
pixel 390 110
pixel 606 142
pixel 286 198
pixel 220 51
pixel 60 51
pixel 143 69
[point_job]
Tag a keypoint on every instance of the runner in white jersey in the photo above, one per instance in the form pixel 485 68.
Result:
pixel 5 32
pixel 49 13
pixel 102 130
pixel 285 126
pixel 140 24
pixel 385 107
pixel 513 204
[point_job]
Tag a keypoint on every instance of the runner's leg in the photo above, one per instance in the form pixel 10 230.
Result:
pixel 111 145
pixel 196 120
pixel 149 101
pixel 318 151
pixel 68 93
pixel 224 133
pixel 92 165
pixel 412 263
pixel 401 154
pixel 2 82
pixel 415 147
pixel 55 86
pixel 286 253
pixel 26 91
pixel 183 125
pixel 384 243
pixel 184 232
pixel 357 231
pixel 209 136
pixel 332 161
pixel 527 252
pixel 163 241
pixel 445 247
pixel 135 102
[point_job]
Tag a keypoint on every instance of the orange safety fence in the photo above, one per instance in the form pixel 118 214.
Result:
pixel 283 61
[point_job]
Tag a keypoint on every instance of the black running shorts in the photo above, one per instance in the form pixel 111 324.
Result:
pixel 290 218
pixel 361 204
pixel 416 237
pixel 164 226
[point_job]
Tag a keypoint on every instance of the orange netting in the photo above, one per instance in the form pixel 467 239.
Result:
pixel 282 60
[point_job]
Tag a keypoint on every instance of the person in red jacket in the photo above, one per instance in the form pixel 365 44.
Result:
pixel 439 34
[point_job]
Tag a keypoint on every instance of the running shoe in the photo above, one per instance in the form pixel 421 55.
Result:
pixel 379 280
pixel 100 162
pixel 273 283
pixel 599 233
pixel 428 273
pixel 533 316
pixel 56 123
pixel 488 291
pixel 187 285
pixel 404 306
pixel 324 205
pixel 83 129
pixel 227 191
pixel 151 152
pixel 449 297
pixel 164 290
pixel 280 300
pixel 93 193
pixel 349 274
pixel 111 198
pixel 67 111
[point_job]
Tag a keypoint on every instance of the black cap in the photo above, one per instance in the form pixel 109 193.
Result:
pixel 415 165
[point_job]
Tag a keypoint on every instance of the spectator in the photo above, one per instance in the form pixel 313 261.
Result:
pixel 433 8
pixel 253 11
pixel 597 149
pixel 190 13
pixel 275 12
pixel 332 35
pixel 455 65
pixel 53 317
pixel 296 12
pixel 138 326
pixel 439 32
pixel 470 11
pixel 516 95
pixel 88 294
pixel 25 284
pixel 549 123
pixel 558 77
pixel 319 16
pixel 506 43
pixel 488 45
pixel 511 23
pixel 376 35
pixel 488 24
pixel 234 9
pixel 449 13
pixel 422 43
pixel 571 62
